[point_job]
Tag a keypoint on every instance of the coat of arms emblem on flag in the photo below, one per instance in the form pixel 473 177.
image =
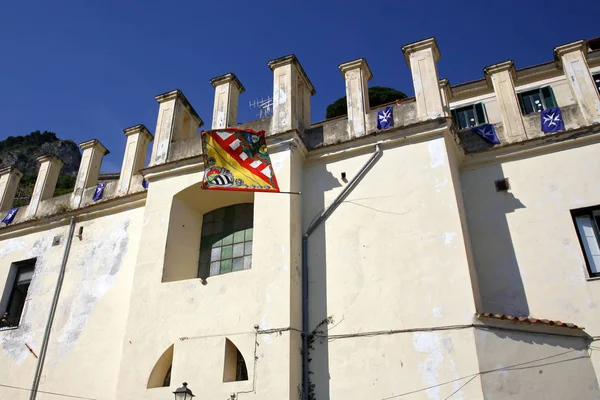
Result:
pixel 237 159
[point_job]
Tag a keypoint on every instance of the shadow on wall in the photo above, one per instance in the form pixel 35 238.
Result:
pixel 500 282
pixel 534 365
pixel 317 266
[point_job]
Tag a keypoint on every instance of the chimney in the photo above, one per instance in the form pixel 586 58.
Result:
pixel 9 183
pixel 45 183
pixel 502 78
pixel 177 120
pixel 571 57
pixel 138 139
pixel 291 95
pixel 421 58
pixel 91 160
pixel 227 90
pixel 356 74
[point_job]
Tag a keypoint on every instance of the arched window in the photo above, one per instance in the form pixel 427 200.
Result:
pixel 226 242
pixel 235 365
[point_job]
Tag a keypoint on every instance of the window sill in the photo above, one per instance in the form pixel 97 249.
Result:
pixel 593 278
pixel 9 328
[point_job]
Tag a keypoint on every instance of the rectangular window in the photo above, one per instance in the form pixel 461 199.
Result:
pixel 470 116
pixel 587 223
pixel 537 100
pixel 15 292
pixel 597 81
pixel 226 242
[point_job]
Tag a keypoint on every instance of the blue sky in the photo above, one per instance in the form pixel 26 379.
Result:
pixel 88 69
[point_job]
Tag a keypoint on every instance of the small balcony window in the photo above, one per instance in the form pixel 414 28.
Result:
pixel 15 293
pixel 537 100
pixel 597 81
pixel 587 223
pixel 470 116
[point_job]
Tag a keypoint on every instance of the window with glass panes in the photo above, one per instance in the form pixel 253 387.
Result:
pixel 597 81
pixel 470 116
pixel 537 100
pixel 587 224
pixel 226 242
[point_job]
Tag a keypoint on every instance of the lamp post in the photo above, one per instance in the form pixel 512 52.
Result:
pixel 183 393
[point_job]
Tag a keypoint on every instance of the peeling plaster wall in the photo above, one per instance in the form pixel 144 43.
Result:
pixel 226 306
pixel 86 338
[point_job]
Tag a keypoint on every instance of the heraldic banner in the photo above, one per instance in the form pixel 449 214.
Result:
pixel 237 159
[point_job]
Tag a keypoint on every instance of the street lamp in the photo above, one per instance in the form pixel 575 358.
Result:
pixel 183 393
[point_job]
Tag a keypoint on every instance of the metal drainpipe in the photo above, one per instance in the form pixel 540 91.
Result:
pixel 322 217
pixel 46 338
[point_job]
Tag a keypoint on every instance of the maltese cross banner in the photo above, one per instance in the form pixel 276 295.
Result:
pixel 237 159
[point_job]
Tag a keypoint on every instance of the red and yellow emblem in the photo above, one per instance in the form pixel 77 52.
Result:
pixel 237 159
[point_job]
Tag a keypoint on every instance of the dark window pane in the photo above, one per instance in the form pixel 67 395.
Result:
pixel 481 119
pixel 597 81
pixel 532 101
pixel 241 373
pixel 466 117
pixel 548 95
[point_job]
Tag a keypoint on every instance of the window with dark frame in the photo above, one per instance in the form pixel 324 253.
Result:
pixel 16 292
pixel 226 241
pixel 597 81
pixel 537 100
pixel 587 224
pixel 470 116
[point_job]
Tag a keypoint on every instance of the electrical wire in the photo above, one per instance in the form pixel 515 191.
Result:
pixel 50 393
pixel 473 376
pixel 460 388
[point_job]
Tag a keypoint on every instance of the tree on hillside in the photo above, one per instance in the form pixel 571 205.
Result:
pixel 378 95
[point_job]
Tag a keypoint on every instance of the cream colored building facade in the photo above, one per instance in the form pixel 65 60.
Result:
pixel 404 259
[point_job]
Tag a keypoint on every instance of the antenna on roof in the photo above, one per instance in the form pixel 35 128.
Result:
pixel 265 106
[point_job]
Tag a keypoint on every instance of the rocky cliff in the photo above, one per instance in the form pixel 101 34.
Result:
pixel 22 151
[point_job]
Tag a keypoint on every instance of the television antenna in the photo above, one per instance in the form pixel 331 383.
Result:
pixel 265 106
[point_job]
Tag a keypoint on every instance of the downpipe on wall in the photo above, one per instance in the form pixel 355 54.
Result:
pixel 53 306
pixel 311 228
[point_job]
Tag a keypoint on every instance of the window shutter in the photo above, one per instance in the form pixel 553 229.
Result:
pixel 480 113
pixel 455 117
pixel 548 96
pixel 521 103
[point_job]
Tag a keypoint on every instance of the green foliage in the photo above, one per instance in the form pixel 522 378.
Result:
pixel 319 331
pixel 28 142
pixel 378 95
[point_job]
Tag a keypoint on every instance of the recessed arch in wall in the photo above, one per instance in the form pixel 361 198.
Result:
pixel 161 373
pixel 235 365
pixel 182 252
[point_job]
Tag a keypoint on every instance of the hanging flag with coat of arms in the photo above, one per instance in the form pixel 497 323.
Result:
pixel 552 120
pixel 385 118
pixel 237 159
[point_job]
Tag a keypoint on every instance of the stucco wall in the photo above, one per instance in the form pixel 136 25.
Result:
pixel 526 249
pixel 390 257
pixel 226 306
pixel 87 334
pixel 521 365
